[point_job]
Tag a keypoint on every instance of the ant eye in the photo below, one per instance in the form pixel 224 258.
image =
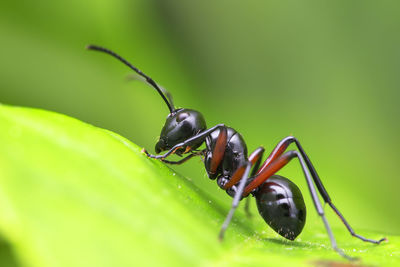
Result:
pixel 182 116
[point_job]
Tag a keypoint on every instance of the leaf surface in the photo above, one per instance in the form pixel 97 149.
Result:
pixel 72 194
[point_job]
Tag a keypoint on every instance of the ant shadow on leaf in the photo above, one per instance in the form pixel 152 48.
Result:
pixel 287 243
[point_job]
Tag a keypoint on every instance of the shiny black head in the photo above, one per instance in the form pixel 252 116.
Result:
pixel 179 126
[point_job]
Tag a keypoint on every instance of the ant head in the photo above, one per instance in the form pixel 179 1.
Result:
pixel 179 126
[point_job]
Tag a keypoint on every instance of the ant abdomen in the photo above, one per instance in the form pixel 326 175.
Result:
pixel 281 204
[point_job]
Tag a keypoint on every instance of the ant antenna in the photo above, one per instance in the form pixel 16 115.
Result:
pixel 148 79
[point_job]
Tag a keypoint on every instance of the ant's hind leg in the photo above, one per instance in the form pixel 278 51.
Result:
pixel 325 195
pixel 279 163
pixel 319 208
pixel 278 151
pixel 351 229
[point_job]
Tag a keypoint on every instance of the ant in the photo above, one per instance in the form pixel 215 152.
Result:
pixel 279 200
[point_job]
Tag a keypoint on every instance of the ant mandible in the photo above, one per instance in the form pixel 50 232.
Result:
pixel 279 200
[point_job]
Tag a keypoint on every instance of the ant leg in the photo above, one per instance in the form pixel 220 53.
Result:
pixel 280 148
pixel 236 200
pixel 268 171
pixel 325 195
pixel 187 143
pixel 351 229
pixel 247 208
pixel 254 159
pixel 319 208
pixel 184 159
pixel 278 164
pixel 218 152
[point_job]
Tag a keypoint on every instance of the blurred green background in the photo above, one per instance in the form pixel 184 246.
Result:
pixel 326 72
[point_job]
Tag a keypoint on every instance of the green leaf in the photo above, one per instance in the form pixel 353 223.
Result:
pixel 75 195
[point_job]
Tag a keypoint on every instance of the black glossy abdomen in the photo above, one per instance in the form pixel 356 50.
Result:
pixel 281 204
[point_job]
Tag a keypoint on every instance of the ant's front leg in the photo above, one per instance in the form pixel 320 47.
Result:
pixel 187 143
pixel 194 154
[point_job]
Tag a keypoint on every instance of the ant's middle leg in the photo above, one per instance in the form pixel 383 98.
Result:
pixel 241 174
pixel 247 208
pixel 236 200
pixel 255 158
